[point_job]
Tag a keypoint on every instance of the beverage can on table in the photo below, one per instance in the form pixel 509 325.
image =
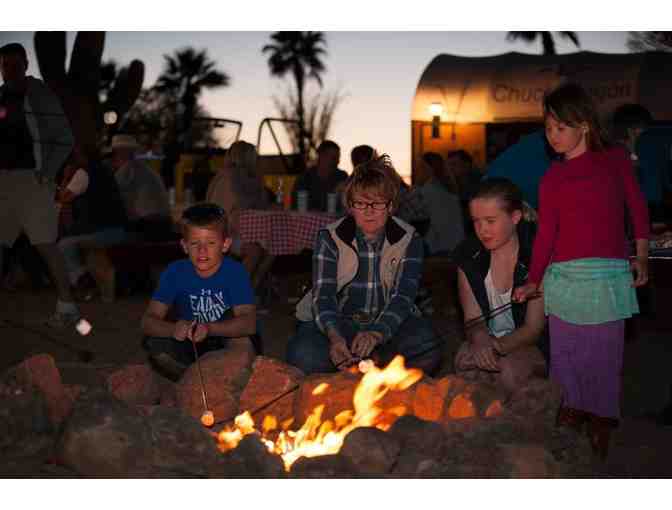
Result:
pixel 332 202
pixel 302 200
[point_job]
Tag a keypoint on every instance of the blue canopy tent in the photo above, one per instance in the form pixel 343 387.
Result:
pixel 654 152
pixel 524 163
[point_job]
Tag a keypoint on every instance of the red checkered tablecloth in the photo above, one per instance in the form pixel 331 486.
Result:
pixel 282 232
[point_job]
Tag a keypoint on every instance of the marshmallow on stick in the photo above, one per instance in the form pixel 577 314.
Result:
pixel 83 327
pixel 208 419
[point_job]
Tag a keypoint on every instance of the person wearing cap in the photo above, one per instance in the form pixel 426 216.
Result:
pixel 144 194
pixel 35 141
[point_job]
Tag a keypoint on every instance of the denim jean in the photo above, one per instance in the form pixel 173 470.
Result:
pixel 72 254
pixel 415 340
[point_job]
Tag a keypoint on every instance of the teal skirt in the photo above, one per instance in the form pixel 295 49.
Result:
pixel 590 291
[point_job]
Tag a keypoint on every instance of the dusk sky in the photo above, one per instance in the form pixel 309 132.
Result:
pixel 378 71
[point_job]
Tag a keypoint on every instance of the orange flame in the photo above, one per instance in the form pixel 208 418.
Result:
pixel 317 437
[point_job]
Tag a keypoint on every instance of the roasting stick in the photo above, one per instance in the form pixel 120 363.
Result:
pixel 364 365
pixel 207 418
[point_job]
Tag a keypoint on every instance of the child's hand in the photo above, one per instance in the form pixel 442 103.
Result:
pixel 199 332
pixel 338 350
pixel 522 294
pixel 486 358
pixel 182 330
pixel 640 266
pixel 365 342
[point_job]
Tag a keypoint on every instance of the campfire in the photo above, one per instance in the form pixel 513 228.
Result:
pixel 323 437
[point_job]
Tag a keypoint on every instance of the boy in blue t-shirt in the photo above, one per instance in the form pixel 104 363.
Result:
pixel 210 293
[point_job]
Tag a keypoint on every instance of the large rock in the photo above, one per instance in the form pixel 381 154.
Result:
pixel 417 435
pixel 337 396
pixel 526 460
pixel 180 443
pixel 250 459
pixel 73 391
pixel 270 379
pixel 370 450
pixel 538 399
pixel 135 385
pixel 27 435
pixel 412 464
pixel 225 375
pixel 40 371
pixel 105 437
pixel 324 466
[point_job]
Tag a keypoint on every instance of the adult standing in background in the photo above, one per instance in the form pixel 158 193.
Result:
pixel 649 149
pixel 35 141
pixel 323 178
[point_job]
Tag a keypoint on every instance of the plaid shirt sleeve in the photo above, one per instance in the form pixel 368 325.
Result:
pixel 402 296
pixel 325 305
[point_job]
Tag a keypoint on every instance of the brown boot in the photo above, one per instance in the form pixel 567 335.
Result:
pixel 599 432
pixel 572 418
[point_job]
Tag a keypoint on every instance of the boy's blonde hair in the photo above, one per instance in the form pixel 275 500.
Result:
pixel 205 215
pixel 376 176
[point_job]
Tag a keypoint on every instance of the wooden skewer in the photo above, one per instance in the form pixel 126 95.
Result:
pixel 495 311
pixel 198 364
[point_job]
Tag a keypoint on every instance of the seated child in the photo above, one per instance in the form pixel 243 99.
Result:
pixel 211 294
pixel 366 271
pixel 505 349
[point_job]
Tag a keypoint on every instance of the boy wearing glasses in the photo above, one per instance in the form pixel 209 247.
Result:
pixel 211 295
pixel 366 271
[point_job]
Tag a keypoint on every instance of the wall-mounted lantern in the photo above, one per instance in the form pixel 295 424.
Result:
pixel 436 109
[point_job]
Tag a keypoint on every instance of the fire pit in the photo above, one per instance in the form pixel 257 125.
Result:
pixel 390 422
pixel 319 436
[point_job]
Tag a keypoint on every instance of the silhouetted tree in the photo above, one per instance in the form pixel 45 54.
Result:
pixel 108 75
pixel 78 86
pixel 649 41
pixel 319 113
pixel 153 119
pixel 547 41
pixel 185 76
pixel 297 54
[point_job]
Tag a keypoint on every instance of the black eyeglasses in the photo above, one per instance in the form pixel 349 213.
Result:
pixel 376 206
pixel 203 212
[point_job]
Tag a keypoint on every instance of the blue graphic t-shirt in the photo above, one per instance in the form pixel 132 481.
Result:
pixel 204 299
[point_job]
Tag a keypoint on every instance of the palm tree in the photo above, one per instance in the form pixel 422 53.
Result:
pixel 649 41
pixel 297 53
pixel 546 39
pixel 185 76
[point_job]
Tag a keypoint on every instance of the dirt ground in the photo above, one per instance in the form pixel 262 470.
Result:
pixel 641 447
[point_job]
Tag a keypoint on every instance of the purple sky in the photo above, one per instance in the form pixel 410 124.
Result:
pixel 378 71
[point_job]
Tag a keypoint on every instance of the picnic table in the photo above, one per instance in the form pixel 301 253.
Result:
pixel 282 232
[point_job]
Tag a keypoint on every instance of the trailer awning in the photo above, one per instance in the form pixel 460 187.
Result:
pixel 510 87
